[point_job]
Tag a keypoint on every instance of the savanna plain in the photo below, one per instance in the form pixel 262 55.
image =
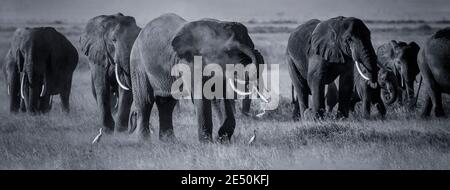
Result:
pixel 58 140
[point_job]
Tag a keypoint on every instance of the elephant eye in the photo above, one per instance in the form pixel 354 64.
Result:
pixel 114 40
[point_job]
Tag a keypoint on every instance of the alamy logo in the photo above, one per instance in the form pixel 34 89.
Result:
pixel 235 81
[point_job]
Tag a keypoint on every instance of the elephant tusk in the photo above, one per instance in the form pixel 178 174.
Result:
pixel 118 80
pixel 21 87
pixel 42 91
pixel 236 90
pixel 8 89
pixel 263 98
pixel 360 72
pixel 240 81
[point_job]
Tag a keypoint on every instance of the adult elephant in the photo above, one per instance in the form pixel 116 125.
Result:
pixel 401 58
pixel 319 52
pixel 107 41
pixel 40 63
pixel 169 40
pixel 434 65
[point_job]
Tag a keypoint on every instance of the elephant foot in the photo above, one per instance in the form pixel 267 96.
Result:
pixel 224 139
pixel 120 129
pixel 296 116
pixel 342 116
pixel 167 137
pixel 308 114
pixel 205 139
pixel 439 113
pixel 424 115
pixel 142 137
pixel 108 130
pixel 381 109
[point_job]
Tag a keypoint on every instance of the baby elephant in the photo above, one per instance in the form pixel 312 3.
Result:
pixel 401 59
pixel 385 92
pixel 40 63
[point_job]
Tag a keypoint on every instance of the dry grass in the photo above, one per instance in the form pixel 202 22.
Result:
pixel 62 141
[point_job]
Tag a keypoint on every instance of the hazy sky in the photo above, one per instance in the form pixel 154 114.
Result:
pixel 145 10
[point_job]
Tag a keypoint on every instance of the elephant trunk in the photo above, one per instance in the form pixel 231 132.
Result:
pixel 369 62
pixel 118 78
pixel 250 53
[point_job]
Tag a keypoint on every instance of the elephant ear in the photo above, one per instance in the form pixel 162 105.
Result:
pixel 199 38
pixel 326 42
pixel 94 40
pixel 385 53
pixel 414 47
pixel 241 33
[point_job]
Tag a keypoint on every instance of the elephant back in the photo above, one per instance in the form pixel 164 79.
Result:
pixel 299 43
pixel 156 53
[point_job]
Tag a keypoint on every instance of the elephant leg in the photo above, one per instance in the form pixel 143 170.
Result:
pixel 366 106
pixel 123 111
pixel 139 119
pixel 227 120
pixel 246 102
pixel 379 104
pixel 318 99
pixel 204 119
pixel 331 97
pixel 14 92
pixel 300 85
pixel 23 107
pixel 434 101
pixel 101 86
pixel 65 96
pixel 166 106
pixel 44 104
pixel 296 115
pixel 143 101
pixel 354 99
pixel 436 98
pixel 345 91
pixel 366 97
pixel 427 107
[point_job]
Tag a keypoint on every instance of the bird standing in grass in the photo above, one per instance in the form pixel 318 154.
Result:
pixel 252 138
pixel 97 138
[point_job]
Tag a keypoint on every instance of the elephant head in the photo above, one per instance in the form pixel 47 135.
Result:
pixel 341 39
pixel 401 58
pixel 220 43
pixel 388 85
pixel 108 39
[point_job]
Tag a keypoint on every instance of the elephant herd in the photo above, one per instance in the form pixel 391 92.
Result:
pixel 330 62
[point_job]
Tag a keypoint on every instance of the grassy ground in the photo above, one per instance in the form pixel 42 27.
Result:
pixel 62 141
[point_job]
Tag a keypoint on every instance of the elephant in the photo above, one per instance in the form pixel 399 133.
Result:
pixel 107 41
pixel 169 41
pixel 374 96
pixel 434 66
pixel 401 58
pixel 320 51
pixel 361 92
pixel 39 64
